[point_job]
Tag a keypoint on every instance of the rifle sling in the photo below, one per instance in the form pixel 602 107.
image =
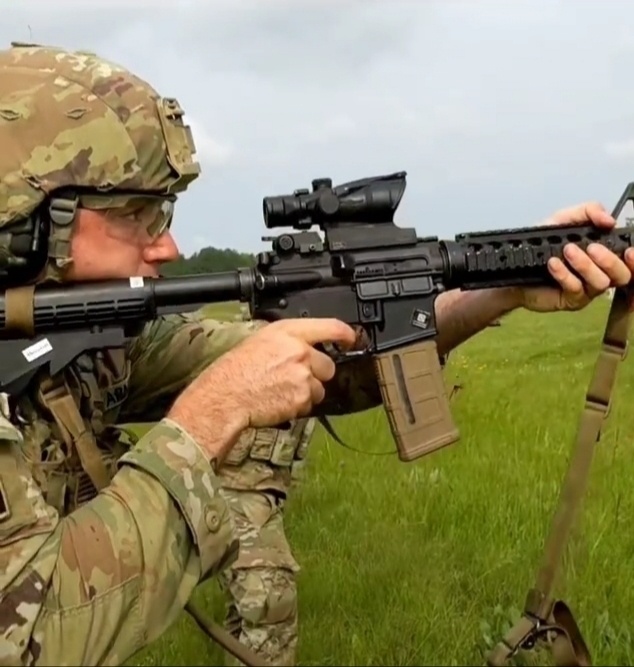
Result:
pixel 546 619
pixel 225 639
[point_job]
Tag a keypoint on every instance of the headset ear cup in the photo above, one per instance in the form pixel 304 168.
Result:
pixel 24 249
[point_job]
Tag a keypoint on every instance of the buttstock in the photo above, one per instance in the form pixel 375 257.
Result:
pixel 415 399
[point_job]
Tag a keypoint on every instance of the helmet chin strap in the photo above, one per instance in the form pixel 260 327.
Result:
pixel 62 212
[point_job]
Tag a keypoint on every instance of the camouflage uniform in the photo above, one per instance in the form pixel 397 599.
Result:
pixel 110 577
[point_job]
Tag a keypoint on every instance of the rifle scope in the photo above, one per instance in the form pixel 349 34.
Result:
pixel 368 200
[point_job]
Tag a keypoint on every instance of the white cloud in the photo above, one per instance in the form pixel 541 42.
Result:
pixel 620 149
pixel 337 126
pixel 210 151
pixel 201 241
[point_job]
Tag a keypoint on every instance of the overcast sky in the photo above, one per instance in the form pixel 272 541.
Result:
pixel 500 112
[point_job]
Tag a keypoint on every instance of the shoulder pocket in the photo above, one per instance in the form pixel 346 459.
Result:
pixel 18 495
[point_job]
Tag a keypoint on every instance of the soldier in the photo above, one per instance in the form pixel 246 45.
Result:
pixel 89 578
pixel 96 150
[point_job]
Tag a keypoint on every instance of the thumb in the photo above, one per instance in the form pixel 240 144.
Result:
pixel 318 330
pixel 589 212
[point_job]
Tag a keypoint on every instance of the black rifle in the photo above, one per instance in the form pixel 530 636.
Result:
pixel 365 271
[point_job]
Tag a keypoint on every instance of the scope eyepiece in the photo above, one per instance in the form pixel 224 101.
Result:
pixel 23 249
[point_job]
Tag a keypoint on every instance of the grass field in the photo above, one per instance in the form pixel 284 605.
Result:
pixel 426 563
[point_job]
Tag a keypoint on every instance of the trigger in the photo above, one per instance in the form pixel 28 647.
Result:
pixel 339 357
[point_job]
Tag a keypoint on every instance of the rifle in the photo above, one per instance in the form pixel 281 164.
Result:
pixel 368 272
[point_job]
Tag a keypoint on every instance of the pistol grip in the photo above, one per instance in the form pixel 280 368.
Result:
pixel 415 399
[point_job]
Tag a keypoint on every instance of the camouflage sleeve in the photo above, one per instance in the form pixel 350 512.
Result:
pixel 172 350
pixel 102 583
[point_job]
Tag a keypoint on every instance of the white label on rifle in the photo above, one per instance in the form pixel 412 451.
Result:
pixel 136 281
pixel 36 350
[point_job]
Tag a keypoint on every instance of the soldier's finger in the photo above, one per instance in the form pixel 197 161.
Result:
pixel 321 365
pixel 610 264
pixel 629 259
pixel 318 330
pixel 594 277
pixel 587 212
pixel 567 281
pixel 317 391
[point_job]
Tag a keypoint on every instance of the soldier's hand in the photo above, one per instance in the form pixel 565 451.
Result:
pixel 273 376
pixel 598 267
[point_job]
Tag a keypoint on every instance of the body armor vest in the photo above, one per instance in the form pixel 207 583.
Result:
pixel 70 439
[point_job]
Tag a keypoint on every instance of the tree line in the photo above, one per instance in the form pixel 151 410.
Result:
pixel 208 260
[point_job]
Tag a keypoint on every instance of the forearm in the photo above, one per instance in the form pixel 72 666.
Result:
pixel 461 315
pixel 170 354
pixel 112 576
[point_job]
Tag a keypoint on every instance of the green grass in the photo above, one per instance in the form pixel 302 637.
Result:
pixel 425 563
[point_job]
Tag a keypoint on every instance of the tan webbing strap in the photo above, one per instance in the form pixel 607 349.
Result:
pixel 19 309
pixel 59 400
pixel 545 619
pixel 225 639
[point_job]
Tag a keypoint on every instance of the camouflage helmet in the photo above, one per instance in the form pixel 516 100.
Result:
pixel 73 120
